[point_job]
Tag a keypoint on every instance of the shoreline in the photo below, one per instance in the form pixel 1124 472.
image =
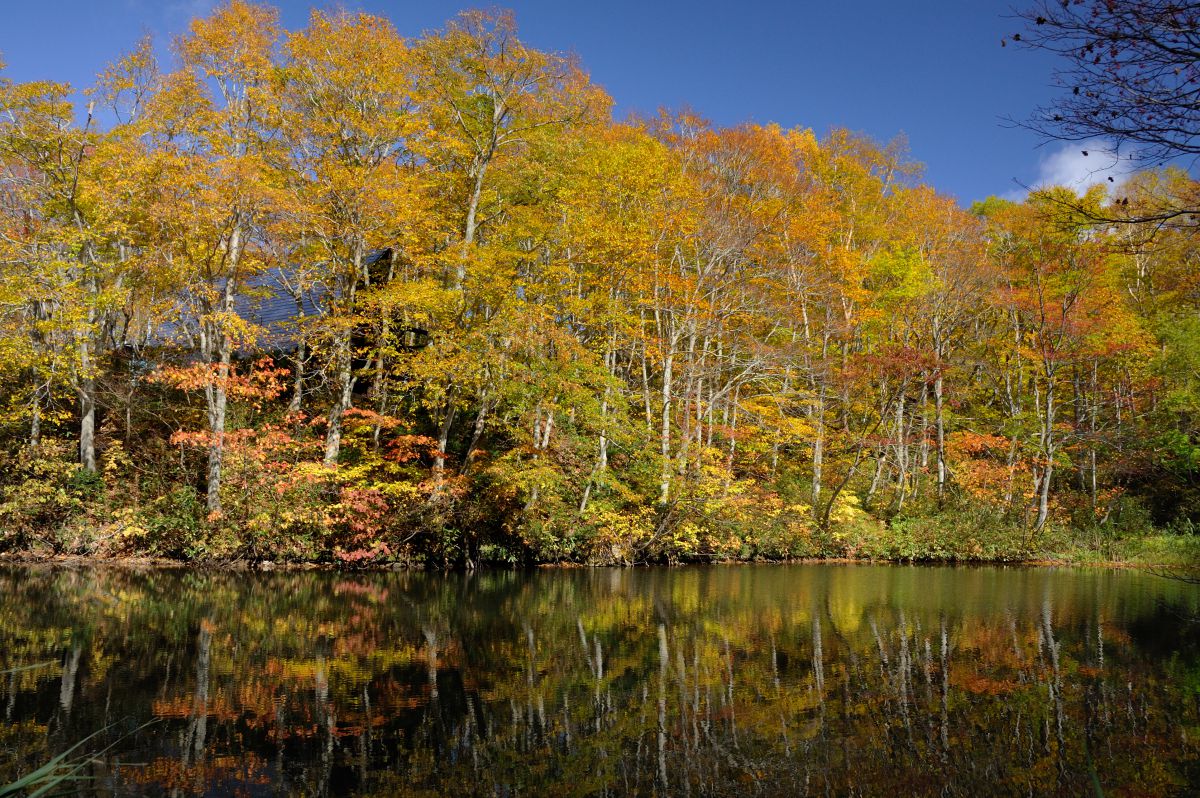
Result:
pixel 141 563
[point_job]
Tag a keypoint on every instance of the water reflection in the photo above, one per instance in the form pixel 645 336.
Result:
pixel 798 680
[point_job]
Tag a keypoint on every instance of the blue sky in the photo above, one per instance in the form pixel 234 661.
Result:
pixel 933 70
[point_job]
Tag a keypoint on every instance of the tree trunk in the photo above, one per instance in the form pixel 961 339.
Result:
pixel 732 409
pixel 477 432
pixel 645 375
pixel 215 390
pixel 477 172
pixel 940 433
pixel 901 451
pixel 602 448
pixel 1048 448
pixel 665 433
pixel 298 358
pixel 87 386
pixel 1092 486
pixel 345 360
pixel 817 415
pixel 217 399
pixel 341 402
pixel 35 418
pixel 439 460
pixel 87 413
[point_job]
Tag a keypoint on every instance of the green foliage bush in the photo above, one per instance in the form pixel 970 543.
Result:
pixel 960 533
pixel 42 492
pixel 174 525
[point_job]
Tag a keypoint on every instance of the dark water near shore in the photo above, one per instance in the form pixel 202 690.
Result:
pixel 743 680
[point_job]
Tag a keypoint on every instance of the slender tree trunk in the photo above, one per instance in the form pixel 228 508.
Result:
pixel 477 432
pixel 817 415
pixel 1092 429
pixel 541 441
pixel 439 461
pixel 345 360
pixel 297 400
pixel 298 358
pixel 940 434
pixel 602 445
pixel 880 462
pixel 1010 462
pixel 732 407
pixel 646 376
pixel 341 401
pixel 924 405
pixel 901 450
pixel 477 172
pixel 1048 448
pixel 217 399
pixel 87 379
pixel 690 395
pixel 665 433
pixel 379 385
pixel 87 410
pixel 215 390
pixel 35 418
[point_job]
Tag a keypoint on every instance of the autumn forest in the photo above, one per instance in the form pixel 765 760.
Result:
pixel 340 295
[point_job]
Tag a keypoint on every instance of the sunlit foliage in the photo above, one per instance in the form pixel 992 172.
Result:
pixel 518 329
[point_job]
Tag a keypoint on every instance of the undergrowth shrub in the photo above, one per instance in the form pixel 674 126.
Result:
pixel 43 490
pixel 956 533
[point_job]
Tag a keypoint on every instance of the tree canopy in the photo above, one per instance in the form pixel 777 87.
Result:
pixel 339 294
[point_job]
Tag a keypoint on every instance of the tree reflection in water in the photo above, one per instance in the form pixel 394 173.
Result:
pixel 799 680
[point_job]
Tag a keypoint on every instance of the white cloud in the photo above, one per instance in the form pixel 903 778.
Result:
pixel 1068 166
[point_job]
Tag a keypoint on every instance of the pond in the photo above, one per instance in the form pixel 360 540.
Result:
pixel 721 680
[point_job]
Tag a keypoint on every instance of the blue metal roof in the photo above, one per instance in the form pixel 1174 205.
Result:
pixel 266 301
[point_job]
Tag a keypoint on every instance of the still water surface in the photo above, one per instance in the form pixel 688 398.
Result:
pixel 740 680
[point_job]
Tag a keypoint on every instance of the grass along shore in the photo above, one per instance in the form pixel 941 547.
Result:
pixel 930 539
